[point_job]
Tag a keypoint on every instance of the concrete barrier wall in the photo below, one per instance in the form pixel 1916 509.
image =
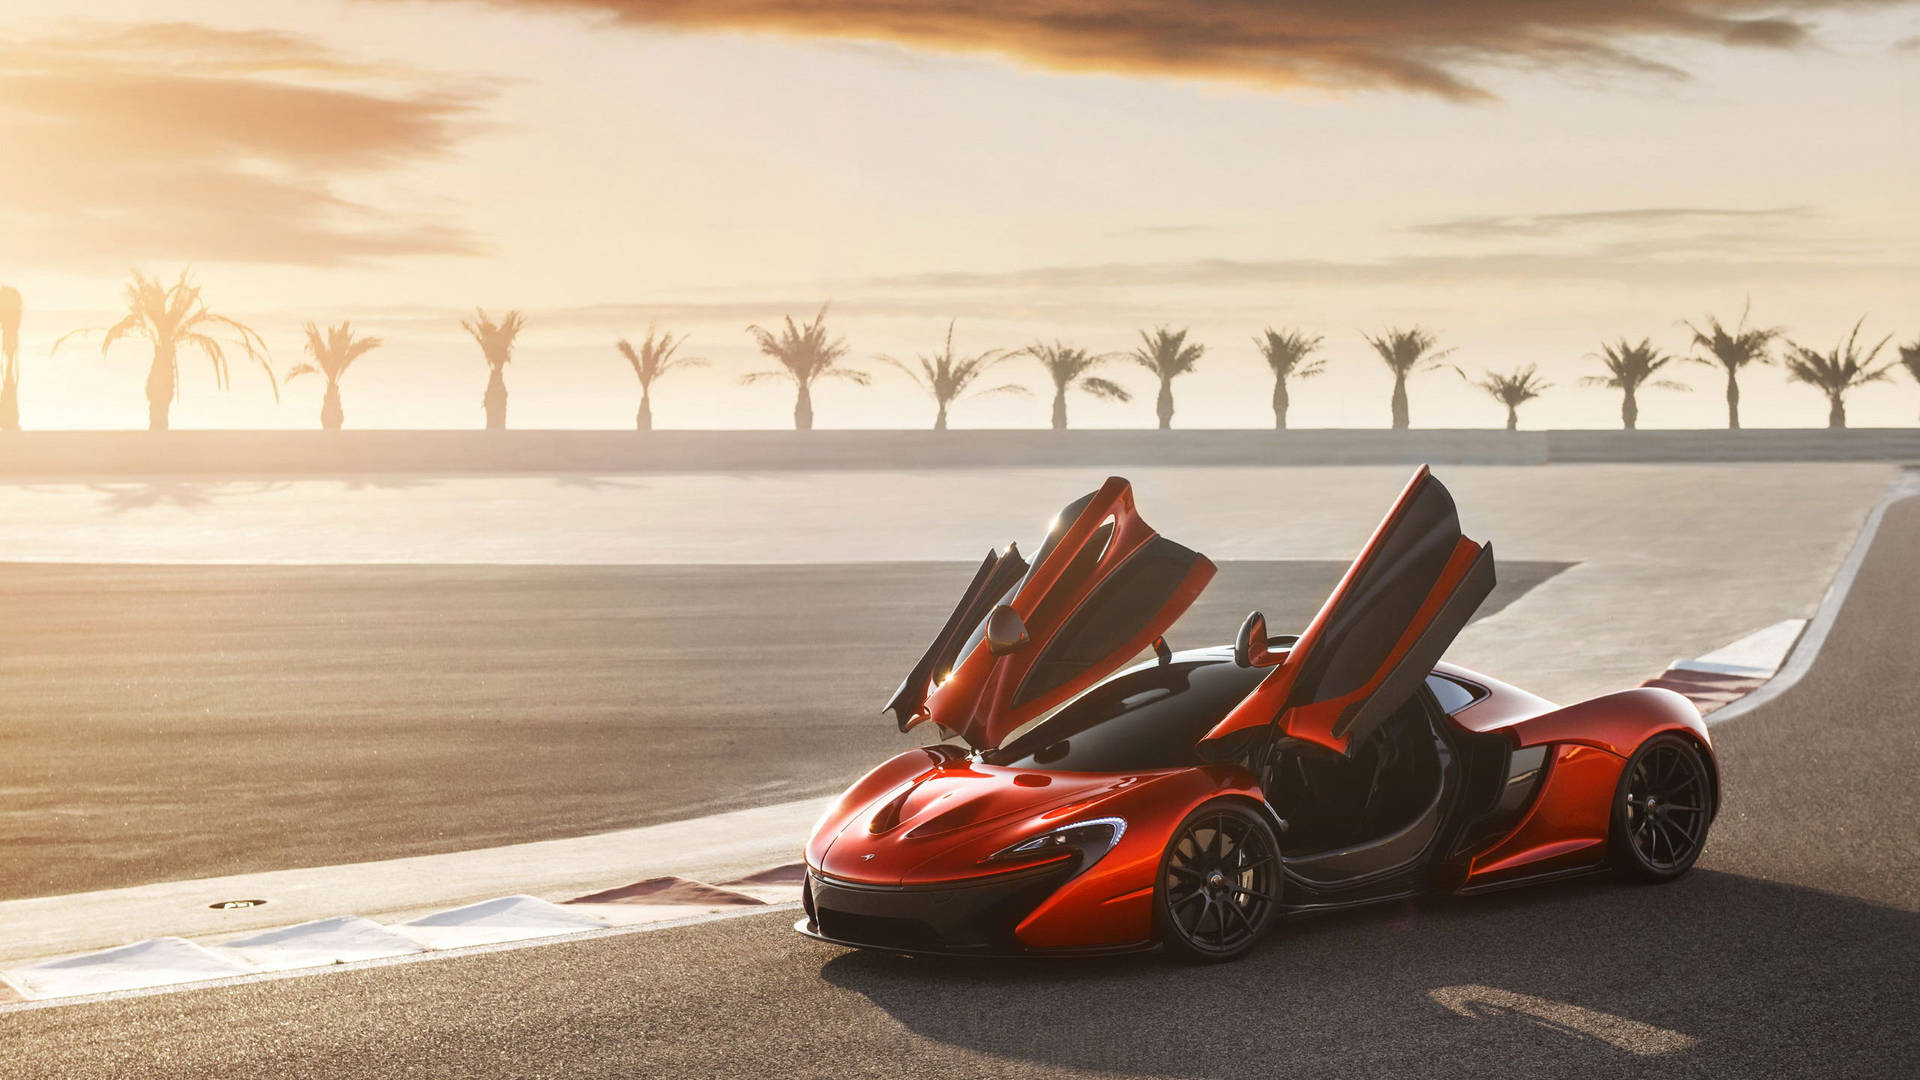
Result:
pixel 1789 444
pixel 26 455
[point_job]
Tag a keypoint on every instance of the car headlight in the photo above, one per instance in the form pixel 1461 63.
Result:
pixel 1091 839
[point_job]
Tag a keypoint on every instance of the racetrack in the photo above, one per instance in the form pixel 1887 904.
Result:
pixel 169 722
pixel 1790 951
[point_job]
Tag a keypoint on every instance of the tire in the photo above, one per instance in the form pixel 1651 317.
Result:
pixel 1218 889
pixel 1662 809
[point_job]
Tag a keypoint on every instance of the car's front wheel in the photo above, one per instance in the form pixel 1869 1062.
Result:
pixel 1661 810
pixel 1219 884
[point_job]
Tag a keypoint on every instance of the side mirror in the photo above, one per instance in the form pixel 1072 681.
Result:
pixel 1005 630
pixel 1250 644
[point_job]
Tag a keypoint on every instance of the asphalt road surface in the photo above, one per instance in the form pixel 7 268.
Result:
pixel 1790 951
pixel 171 722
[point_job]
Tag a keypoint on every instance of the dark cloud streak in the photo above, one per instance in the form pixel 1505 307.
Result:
pixel 1425 46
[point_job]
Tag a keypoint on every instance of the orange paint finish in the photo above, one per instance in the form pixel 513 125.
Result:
pixel 889 775
pixel 1567 825
pixel 918 822
pixel 1113 900
pixel 1316 721
pixel 975 700
pixel 1616 723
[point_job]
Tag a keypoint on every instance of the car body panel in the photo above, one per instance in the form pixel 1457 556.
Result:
pixel 1112 901
pixel 920 846
pixel 1101 588
pixel 1401 602
pixel 1565 827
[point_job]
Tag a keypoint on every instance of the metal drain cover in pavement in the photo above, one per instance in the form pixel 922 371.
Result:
pixel 230 905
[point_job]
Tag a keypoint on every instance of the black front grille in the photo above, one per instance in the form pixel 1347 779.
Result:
pixel 880 930
pixel 977 916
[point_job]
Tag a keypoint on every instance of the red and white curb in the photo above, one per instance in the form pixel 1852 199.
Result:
pixel 1728 674
pixel 350 940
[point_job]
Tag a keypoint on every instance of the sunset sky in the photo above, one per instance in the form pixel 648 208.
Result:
pixel 1069 169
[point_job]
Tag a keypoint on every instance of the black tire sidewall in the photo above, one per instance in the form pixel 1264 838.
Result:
pixel 1621 853
pixel 1171 940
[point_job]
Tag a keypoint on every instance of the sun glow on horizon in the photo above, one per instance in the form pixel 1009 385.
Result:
pixel 400 165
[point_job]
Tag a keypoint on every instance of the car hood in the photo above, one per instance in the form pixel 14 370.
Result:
pixel 941 823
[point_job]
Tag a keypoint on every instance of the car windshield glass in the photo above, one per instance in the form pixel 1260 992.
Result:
pixel 1146 718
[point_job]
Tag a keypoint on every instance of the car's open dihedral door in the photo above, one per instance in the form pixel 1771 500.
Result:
pixel 1102 586
pixel 1400 605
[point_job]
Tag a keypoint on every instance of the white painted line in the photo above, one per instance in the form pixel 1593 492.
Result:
pixel 394 961
pixel 1808 648
pixel 1705 667
pixel 154 962
pixel 1759 653
pixel 320 943
pixel 509 918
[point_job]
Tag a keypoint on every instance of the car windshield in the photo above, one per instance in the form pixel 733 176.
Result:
pixel 1146 718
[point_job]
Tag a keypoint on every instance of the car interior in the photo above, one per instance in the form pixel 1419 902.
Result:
pixel 1390 783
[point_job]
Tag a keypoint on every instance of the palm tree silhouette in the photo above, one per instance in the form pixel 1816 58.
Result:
pixel 174 317
pixel 496 341
pixel 1836 372
pixel 947 378
pixel 9 358
pixel 1287 355
pixel 1733 350
pixel 1168 356
pixel 654 358
pixel 1910 357
pixel 1067 367
pixel 332 355
pixel 1629 367
pixel 1513 389
pixel 1405 352
pixel 805 354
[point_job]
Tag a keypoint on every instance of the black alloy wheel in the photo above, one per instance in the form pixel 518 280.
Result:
pixel 1661 810
pixel 1219 885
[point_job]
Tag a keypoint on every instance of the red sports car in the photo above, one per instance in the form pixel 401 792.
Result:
pixel 1192 800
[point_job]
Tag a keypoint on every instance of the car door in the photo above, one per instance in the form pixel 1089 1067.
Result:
pixel 1399 606
pixel 1101 587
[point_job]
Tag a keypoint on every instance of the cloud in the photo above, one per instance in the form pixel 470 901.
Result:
pixel 1411 45
pixel 1611 264
pixel 179 141
pixel 1653 217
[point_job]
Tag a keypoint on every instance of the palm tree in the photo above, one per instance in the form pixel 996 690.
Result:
pixel 9 358
pixel 805 354
pixel 1910 357
pixel 496 344
pixel 332 355
pixel 946 378
pixel 1405 352
pixel 1629 367
pixel 1836 372
pixel 1287 355
pixel 1167 355
pixel 654 358
pixel 1512 390
pixel 173 317
pixel 1733 350
pixel 1068 367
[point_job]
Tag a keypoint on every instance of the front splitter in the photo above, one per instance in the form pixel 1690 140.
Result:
pixel 806 929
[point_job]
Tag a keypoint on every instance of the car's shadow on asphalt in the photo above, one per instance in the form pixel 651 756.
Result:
pixel 1716 974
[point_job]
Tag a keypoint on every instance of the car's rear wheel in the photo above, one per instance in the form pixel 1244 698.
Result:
pixel 1219 884
pixel 1661 810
